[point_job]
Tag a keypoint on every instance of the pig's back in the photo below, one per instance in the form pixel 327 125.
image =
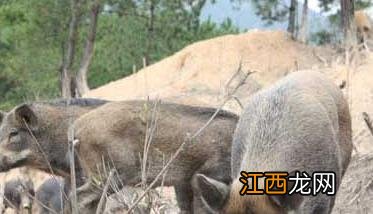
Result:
pixel 291 126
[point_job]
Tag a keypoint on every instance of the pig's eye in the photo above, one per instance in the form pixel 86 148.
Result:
pixel 13 133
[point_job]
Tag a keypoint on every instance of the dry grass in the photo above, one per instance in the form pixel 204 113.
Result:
pixel 1 198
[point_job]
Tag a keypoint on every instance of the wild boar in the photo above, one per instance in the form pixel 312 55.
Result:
pixel 51 195
pixel 35 134
pixel 301 123
pixel 116 134
pixel 18 194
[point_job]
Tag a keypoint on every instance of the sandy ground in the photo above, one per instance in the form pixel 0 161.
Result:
pixel 356 192
pixel 197 74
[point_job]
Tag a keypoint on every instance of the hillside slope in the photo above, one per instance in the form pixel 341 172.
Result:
pixel 198 73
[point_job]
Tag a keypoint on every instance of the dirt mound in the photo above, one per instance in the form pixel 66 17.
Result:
pixel 197 74
pixel 361 100
pixel 356 192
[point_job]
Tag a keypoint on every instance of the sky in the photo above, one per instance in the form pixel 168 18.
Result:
pixel 245 18
pixel 313 5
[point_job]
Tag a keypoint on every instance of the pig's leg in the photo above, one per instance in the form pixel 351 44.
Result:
pixel 184 197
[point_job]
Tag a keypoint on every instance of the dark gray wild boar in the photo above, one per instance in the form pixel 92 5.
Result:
pixel 51 196
pixel 18 194
pixel 301 123
pixel 115 132
pixel 48 123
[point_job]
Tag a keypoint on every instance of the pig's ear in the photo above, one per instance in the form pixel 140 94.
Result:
pixel 24 113
pixel 289 202
pixel 213 192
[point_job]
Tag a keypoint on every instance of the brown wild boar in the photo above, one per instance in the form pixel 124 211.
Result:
pixel 48 122
pixel 116 133
pixel 301 123
pixel 18 194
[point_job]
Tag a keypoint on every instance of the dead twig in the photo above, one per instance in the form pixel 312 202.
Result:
pixel 343 84
pixel 320 58
pixel 368 121
pixel 103 196
pixel 149 133
pixel 2 198
pixel 71 144
pixel 190 138
pixel 117 184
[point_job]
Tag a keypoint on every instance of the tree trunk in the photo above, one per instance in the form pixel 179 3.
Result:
pixel 303 31
pixel 81 76
pixel 65 71
pixel 149 41
pixel 292 18
pixel 348 26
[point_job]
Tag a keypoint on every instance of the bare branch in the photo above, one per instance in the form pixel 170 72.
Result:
pixel 238 101
pixel 71 142
pixel 149 133
pixel 2 198
pixel 368 121
pixel 343 84
pixel 103 196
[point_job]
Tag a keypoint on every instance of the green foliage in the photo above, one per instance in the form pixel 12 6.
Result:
pixel 271 10
pixel 333 34
pixel 362 4
pixel 117 49
pixel 322 37
pixel 326 5
pixel 33 35
pixel 29 59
